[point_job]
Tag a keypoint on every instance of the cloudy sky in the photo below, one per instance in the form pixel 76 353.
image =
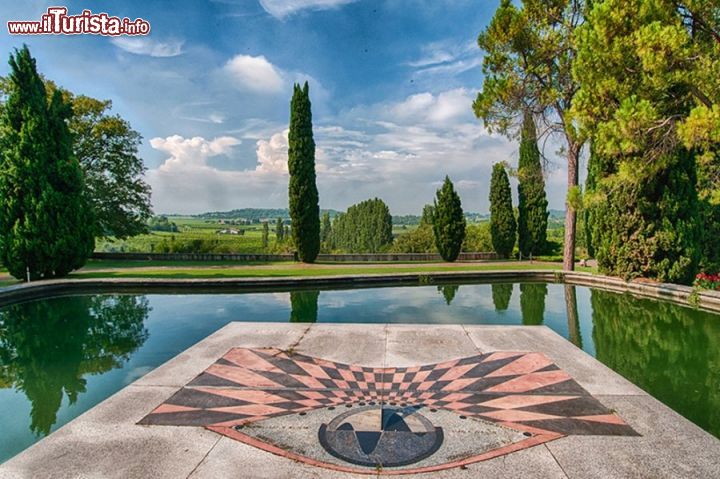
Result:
pixel 391 81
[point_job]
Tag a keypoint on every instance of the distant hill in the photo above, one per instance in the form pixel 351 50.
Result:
pixel 254 215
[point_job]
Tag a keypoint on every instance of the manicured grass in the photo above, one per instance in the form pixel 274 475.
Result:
pixel 254 272
pixel 124 264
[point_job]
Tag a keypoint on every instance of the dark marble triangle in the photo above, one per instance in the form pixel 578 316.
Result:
pixel 287 365
pixel 472 359
pixel 581 406
pixel 201 399
pixel 190 418
pixel 568 387
pixel 580 427
pixel 332 372
pixel 483 369
pixel 437 374
pixel 207 379
pixel 476 409
pixel 289 394
pixel 282 379
pixel 486 383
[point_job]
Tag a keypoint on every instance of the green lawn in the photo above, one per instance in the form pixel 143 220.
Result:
pixel 124 264
pixel 190 269
pixel 254 272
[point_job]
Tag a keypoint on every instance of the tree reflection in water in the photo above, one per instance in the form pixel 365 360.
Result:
pixel 532 303
pixel 48 347
pixel 448 291
pixel 501 295
pixel 672 352
pixel 573 320
pixel 304 306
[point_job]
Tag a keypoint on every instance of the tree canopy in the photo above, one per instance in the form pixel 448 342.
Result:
pixel 45 220
pixel 365 228
pixel 528 66
pixel 647 71
pixel 106 147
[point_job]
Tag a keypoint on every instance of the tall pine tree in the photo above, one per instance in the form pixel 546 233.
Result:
pixel 502 217
pixel 45 220
pixel 303 193
pixel 448 222
pixel 532 201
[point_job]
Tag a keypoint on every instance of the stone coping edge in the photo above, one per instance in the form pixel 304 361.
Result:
pixel 709 300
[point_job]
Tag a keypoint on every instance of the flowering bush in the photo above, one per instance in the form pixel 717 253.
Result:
pixel 707 281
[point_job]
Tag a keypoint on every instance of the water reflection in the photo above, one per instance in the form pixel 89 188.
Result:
pixel 501 295
pixel 61 356
pixel 449 291
pixel 573 320
pixel 46 349
pixel 670 351
pixel 532 303
pixel 304 306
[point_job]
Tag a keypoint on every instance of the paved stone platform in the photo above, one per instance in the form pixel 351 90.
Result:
pixel 296 400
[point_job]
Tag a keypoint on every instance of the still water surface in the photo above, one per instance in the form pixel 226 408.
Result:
pixel 59 357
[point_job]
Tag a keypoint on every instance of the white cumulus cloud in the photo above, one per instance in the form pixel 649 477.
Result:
pixel 254 73
pixel 272 154
pixel 186 182
pixel 191 152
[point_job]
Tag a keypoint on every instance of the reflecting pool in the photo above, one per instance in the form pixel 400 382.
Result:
pixel 61 356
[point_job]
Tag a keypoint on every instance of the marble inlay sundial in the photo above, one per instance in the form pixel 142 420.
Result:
pixel 390 420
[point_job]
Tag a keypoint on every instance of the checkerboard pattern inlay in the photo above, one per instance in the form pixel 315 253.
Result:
pixel 521 390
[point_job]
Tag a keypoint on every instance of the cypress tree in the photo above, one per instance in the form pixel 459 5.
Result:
pixel 303 193
pixel 448 222
pixel 45 220
pixel 279 230
pixel 532 201
pixel 502 218
pixel 265 234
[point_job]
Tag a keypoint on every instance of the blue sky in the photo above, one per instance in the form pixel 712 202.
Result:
pixel 392 83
